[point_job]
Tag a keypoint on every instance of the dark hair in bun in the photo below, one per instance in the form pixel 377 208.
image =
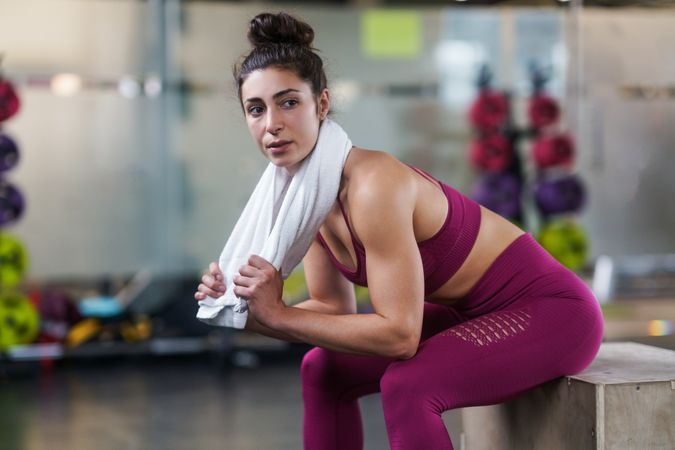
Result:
pixel 270 29
pixel 281 40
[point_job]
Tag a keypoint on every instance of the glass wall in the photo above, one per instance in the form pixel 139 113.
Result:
pixel 96 170
pixel 147 163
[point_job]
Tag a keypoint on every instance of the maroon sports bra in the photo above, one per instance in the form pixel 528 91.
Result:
pixel 442 254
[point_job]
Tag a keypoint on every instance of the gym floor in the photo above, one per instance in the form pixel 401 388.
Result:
pixel 166 403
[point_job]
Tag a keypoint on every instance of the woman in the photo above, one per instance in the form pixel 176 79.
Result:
pixel 467 308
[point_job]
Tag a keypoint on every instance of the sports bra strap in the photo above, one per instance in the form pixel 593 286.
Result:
pixel 351 233
pixel 425 174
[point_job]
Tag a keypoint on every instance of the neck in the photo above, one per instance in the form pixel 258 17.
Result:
pixel 347 169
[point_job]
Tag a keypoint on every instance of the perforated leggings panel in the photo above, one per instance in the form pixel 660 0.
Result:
pixel 493 327
pixel 517 329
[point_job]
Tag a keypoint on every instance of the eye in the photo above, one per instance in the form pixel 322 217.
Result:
pixel 290 102
pixel 254 110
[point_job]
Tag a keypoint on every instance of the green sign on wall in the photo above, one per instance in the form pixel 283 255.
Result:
pixel 391 34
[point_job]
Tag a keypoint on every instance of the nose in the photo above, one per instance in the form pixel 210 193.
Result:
pixel 274 122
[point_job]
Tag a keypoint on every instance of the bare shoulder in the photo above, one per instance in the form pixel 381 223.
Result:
pixel 373 175
pixel 381 195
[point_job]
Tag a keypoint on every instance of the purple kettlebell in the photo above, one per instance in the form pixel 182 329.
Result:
pixel 560 195
pixel 11 203
pixel 499 193
pixel 9 153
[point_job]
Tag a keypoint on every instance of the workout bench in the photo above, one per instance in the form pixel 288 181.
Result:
pixel 624 400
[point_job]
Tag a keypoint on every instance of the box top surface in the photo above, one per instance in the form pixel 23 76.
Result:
pixel 629 362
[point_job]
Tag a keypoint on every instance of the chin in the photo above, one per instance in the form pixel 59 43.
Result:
pixel 282 162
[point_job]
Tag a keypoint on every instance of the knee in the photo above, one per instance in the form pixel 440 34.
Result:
pixel 405 388
pixel 318 367
pixel 399 384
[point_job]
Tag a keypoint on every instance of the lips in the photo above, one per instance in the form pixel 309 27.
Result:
pixel 277 144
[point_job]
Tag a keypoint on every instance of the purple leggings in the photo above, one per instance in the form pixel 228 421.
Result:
pixel 528 320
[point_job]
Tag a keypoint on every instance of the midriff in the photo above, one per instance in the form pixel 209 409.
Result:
pixel 494 236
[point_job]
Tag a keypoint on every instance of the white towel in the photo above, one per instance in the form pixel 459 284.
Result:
pixel 280 220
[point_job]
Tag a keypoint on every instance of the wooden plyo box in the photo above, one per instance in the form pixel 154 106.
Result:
pixel 624 400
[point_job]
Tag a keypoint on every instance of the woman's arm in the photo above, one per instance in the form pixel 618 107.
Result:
pixel 330 292
pixel 381 213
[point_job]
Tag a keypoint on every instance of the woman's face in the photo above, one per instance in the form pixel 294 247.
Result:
pixel 282 115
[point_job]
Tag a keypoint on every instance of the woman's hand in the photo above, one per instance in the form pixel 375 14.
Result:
pixel 260 283
pixel 212 285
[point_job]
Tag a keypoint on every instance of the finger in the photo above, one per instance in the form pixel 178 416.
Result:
pixel 210 292
pixel 258 262
pixel 215 271
pixel 243 281
pixel 212 283
pixel 248 271
pixel 242 292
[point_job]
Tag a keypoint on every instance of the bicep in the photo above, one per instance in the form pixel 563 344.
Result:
pixel 325 283
pixel 394 265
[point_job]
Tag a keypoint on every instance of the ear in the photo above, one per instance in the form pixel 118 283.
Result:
pixel 324 104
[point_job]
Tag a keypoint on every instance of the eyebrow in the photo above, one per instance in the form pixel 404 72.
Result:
pixel 275 96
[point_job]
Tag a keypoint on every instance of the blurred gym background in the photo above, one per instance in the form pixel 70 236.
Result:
pixel 125 162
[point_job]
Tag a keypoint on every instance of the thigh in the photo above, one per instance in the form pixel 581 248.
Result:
pixel 357 375
pixel 493 357
pixel 438 318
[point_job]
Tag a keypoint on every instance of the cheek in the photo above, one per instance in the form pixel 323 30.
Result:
pixel 311 135
pixel 254 129
pixel 311 124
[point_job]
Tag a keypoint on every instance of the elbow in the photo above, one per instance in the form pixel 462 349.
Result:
pixel 406 348
pixel 408 353
pixel 402 339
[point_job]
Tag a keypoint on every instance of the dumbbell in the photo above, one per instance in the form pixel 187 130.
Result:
pixel 19 320
pixel 58 314
pixel 566 241
pixel 11 203
pixel 13 261
pixel 9 101
pixel 492 152
pixel 9 153
pixel 489 110
pixel 542 110
pixel 555 150
pixel 499 193
pixel 564 194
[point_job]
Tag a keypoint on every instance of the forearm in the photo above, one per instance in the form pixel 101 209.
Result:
pixel 252 324
pixel 361 334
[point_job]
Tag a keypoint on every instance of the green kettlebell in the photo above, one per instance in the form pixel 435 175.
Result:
pixel 566 241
